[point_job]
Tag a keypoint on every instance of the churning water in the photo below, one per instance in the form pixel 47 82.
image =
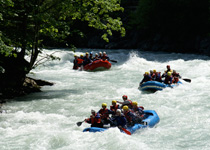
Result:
pixel 47 120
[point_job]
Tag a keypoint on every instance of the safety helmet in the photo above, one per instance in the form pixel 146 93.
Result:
pixel 146 73
pixel 118 110
pixel 87 53
pixel 92 111
pixel 125 97
pixel 125 107
pixel 134 103
pixel 81 55
pixel 91 53
pixel 114 101
pixel 100 52
pixel 104 52
pixel 96 54
pixel 154 71
pixel 75 55
pixel 104 104
pixel 169 74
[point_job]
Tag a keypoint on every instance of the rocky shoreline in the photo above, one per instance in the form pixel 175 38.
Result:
pixel 30 85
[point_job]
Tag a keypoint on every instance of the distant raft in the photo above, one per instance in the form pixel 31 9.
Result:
pixel 98 65
pixel 156 86
pixel 151 119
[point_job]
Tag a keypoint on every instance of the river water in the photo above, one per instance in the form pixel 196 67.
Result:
pixel 47 120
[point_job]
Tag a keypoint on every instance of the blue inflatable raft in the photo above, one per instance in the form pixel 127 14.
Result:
pixel 156 86
pixel 151 119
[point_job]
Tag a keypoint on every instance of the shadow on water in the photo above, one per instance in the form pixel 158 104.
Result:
pixel 148 92
pixel 48 94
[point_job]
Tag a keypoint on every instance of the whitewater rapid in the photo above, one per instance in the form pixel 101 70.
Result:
pixel 47 120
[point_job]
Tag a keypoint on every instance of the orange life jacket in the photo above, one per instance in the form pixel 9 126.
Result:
pixel 114 108
pixel 104 113
pixel 129 119
pixel 79 61
pixel 95 120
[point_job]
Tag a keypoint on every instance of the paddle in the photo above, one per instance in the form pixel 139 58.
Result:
pixel 113 61
pixel 126 131
pixel 187 80
pixel 79 123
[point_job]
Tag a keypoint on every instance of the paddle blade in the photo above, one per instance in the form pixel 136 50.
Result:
pixel 187 80
pixel 113 61
pixel 79 123
pixel 126 131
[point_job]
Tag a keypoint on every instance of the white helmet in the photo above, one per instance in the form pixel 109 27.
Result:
pixel 118 110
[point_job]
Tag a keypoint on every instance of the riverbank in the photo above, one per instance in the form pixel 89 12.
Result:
pixel 30 85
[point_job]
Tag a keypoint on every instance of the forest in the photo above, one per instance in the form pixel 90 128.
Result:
pixel 28 26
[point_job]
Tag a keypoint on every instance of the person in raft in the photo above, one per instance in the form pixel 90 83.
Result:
pixel 86 59
pixel 94 120
pixel 119 120
pixel 168 69
pixel 100 55
pixel 75 62
pixel 175 76
pixel 105 57
pixel 114 106
pixel 138 112
pixel 104 114
pixel 130 117
pixel 126 101
pixel 146 78
pixel 168 78
pixel 96 57
pixel 91 56
pixel 157 76
pixel 152 75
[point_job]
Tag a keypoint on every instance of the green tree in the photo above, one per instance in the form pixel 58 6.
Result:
pixel 24 23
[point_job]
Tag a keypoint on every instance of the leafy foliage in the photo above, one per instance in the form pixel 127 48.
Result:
pixel 174 16
pixel 26 23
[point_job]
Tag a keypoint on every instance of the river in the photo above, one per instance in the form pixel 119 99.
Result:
pixel 47 120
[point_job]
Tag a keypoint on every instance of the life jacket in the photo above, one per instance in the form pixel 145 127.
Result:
pixel 153 76
pixel 95 120
pixel 129 105
pixel 129 118
pixel 158 76
pixel 147 78
pixel 104 113
pixel 167 79
pixel 79 61
pixel 114 108
pixel 104 57
pixel 175 77
pixel 139 110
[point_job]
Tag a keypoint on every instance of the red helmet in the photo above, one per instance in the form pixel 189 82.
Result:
pixel 125 97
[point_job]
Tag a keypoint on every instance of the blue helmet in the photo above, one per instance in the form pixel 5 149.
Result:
pixel 91 53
